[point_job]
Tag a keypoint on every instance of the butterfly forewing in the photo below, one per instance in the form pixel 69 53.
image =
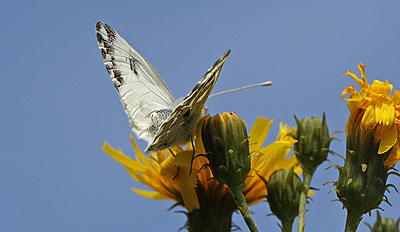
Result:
pixel 181 124
pixel 140 87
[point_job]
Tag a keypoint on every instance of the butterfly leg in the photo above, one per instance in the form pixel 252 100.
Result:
pixel 194 152
pixel 177 171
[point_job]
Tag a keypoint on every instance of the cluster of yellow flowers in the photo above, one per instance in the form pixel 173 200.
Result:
pixel 189 177
pixel 158 170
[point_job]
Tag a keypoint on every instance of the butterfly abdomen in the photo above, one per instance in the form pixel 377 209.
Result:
pixel 177 129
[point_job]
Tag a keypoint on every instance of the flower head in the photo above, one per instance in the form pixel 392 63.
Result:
pixel 375 109
pixel 372 146
pixel 159 173
pixel 199 192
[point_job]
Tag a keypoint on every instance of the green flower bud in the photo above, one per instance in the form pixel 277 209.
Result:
pixel 384 224
pixel 226 143
pixel 227 149
pixel 313 142
pixel 362 179
pixel 284 188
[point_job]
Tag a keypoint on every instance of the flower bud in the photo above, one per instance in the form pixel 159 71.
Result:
pixel 384 224
pixel 226 143
pixel 313 142
pixel 362 179
pixel 284 188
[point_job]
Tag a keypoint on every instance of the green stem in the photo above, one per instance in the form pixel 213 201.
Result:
pixel 244 209
pixel 352 221
pixel 303 200
pixel 287 226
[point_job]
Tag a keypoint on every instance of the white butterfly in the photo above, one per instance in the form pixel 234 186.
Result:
pixel 154 113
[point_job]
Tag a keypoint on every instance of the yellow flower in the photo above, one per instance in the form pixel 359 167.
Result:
pixel 159 170
pixel 376 109
pixel 267 160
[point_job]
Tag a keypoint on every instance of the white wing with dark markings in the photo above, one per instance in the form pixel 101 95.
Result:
pixel 154 113
pixel 187 114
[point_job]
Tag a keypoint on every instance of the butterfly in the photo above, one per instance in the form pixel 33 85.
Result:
pixel 153 112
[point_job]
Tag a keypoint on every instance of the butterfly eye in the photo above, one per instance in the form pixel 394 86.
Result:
pixel 187 113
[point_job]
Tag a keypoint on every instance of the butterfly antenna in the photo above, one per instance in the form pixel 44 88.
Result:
pixel 267 83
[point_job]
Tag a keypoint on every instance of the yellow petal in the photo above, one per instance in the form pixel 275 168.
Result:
pixel 150 194
pixel 259 132
pixel 362 71
pixel 394 156
pixel 199 147
pixel 368 120
pixel 190 198
pixel 118 155
pixel 389 138
pixel 381 88
pixel 384 113
pixel 183 158
pixel 135 146
pixel 187 184
pixel 168 169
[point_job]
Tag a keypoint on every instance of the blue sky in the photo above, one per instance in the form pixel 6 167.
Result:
pixel 59 104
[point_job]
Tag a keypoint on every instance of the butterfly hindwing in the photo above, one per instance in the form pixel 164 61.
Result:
pixel 141 89
pixel 183 120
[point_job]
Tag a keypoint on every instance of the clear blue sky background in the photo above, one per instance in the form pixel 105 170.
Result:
pixel 58 103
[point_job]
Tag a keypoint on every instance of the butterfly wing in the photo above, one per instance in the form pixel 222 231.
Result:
pixel 141 89
pixel 182 122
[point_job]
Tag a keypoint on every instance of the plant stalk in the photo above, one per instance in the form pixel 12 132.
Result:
pixel 303 200
pixel 244 209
